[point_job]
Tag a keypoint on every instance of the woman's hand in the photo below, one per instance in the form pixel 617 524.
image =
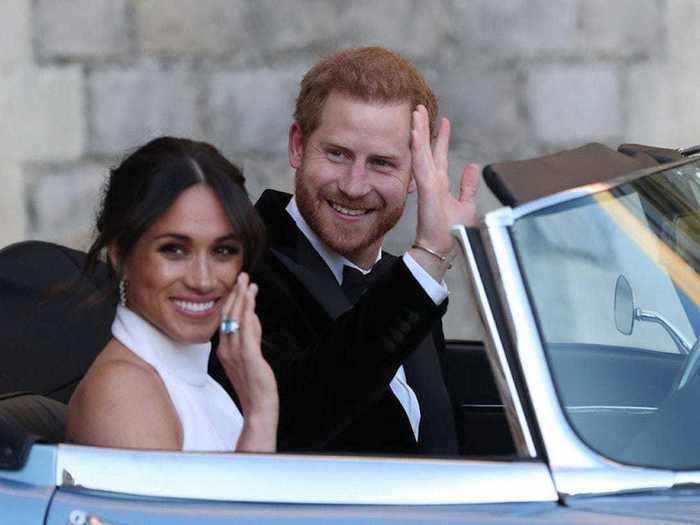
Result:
pixel 246 368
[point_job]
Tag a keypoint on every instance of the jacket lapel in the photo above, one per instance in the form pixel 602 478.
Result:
pixel 296 253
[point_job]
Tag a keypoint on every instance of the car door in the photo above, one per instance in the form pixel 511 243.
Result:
pixel 122 486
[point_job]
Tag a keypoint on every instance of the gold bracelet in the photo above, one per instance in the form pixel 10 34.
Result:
pixel 443 258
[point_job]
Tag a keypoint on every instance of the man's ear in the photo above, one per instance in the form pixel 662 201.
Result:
pixel 295 146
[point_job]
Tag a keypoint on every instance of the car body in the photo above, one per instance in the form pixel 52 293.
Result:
pixel 591 380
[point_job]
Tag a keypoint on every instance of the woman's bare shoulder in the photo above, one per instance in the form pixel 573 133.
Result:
pixel 122 402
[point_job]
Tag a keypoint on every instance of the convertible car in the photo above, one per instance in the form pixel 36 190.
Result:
pixel 581 406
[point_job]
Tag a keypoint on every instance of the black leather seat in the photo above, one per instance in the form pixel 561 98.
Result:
pixel 482 427
pixel 53 325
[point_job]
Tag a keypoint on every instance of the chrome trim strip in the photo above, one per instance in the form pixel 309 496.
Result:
pixel 517 421
pixel 688 478
pixel 575 467
pixel 584 409
pixel 499 217
pixel 555 199
pixel 302 479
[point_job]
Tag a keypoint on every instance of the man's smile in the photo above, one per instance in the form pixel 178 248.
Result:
pixel 345 210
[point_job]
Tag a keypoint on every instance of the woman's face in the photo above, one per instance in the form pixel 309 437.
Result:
pixel 183 267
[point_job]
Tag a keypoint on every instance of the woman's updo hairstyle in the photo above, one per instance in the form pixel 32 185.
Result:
pixel 147 183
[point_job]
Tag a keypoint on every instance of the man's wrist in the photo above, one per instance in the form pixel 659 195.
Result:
pixel 434 288
pixel 433 265
pixel 444 258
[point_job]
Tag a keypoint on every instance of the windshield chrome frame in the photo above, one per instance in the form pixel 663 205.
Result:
pixel 496 354
pixel 576 468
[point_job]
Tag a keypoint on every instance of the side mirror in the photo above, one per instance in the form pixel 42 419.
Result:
pixel 624 306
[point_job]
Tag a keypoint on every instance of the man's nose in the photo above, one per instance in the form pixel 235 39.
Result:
pixel 355 180
pixel 200 275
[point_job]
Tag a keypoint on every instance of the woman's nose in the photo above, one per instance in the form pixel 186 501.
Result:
pixel 200 275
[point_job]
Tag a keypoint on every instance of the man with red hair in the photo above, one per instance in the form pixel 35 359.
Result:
pixel 352 332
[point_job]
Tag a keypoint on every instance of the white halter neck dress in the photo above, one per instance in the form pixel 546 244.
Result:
pixel 210 419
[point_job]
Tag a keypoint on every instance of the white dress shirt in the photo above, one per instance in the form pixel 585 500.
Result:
pixel 437 292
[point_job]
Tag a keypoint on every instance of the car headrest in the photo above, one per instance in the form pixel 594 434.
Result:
pixel 27 418
pixel 52 325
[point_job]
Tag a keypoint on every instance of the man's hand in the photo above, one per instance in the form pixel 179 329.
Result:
pixel 438 210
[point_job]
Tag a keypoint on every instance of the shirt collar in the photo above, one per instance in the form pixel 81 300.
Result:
pixel 333 260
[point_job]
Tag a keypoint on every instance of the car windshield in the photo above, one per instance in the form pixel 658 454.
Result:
pixel 613 281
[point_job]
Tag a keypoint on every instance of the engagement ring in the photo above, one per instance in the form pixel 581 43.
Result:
pixel 229 326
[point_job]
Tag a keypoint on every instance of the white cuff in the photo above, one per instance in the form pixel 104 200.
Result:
pixel 436 290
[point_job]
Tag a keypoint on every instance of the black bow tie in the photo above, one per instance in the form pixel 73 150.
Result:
pixel 355 283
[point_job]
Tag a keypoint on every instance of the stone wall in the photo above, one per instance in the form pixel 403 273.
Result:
pixel 84 81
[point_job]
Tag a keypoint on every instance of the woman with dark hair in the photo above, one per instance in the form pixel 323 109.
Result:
pixel 181 235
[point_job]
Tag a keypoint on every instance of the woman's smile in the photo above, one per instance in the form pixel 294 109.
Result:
pixel 184 266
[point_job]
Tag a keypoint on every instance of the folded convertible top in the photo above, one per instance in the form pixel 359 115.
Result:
pixel 521 181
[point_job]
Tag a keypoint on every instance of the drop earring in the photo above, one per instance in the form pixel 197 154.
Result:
pixel 122 292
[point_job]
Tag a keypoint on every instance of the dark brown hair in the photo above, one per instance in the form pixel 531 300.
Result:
pixel 147 183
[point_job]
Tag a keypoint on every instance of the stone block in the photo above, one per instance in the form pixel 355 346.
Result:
pixel 191 26
pixel 42 112
pixel 250 111
pixel 15 33
pixel 462 320
pixel 622 28
pixel 571 104
pixel 283 26
pixel 13 213
pixel 64 200
pixel 649 106
pixel 82 29
pixel 483 107
pixel 661 111
pixel 270 172
pixel 132 106
pixel 512 29
pixel 415 28
pixel 682 33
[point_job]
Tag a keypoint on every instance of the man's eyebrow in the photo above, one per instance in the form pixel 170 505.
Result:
pixel 391 157
pixel 332 144
pixel 394 156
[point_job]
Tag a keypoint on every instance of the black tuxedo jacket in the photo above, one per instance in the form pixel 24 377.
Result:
pixel 334 361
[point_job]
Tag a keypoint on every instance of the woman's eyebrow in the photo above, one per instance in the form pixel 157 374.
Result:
pixel 186 238
pixel 229 237
pixel 178 236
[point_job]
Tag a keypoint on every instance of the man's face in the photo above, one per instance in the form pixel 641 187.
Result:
pixel 354 173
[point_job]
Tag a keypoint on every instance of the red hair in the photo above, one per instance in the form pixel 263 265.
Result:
pixel 370 74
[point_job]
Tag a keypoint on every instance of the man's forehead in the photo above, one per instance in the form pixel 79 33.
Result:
pixel 388 124
pixel 342 97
